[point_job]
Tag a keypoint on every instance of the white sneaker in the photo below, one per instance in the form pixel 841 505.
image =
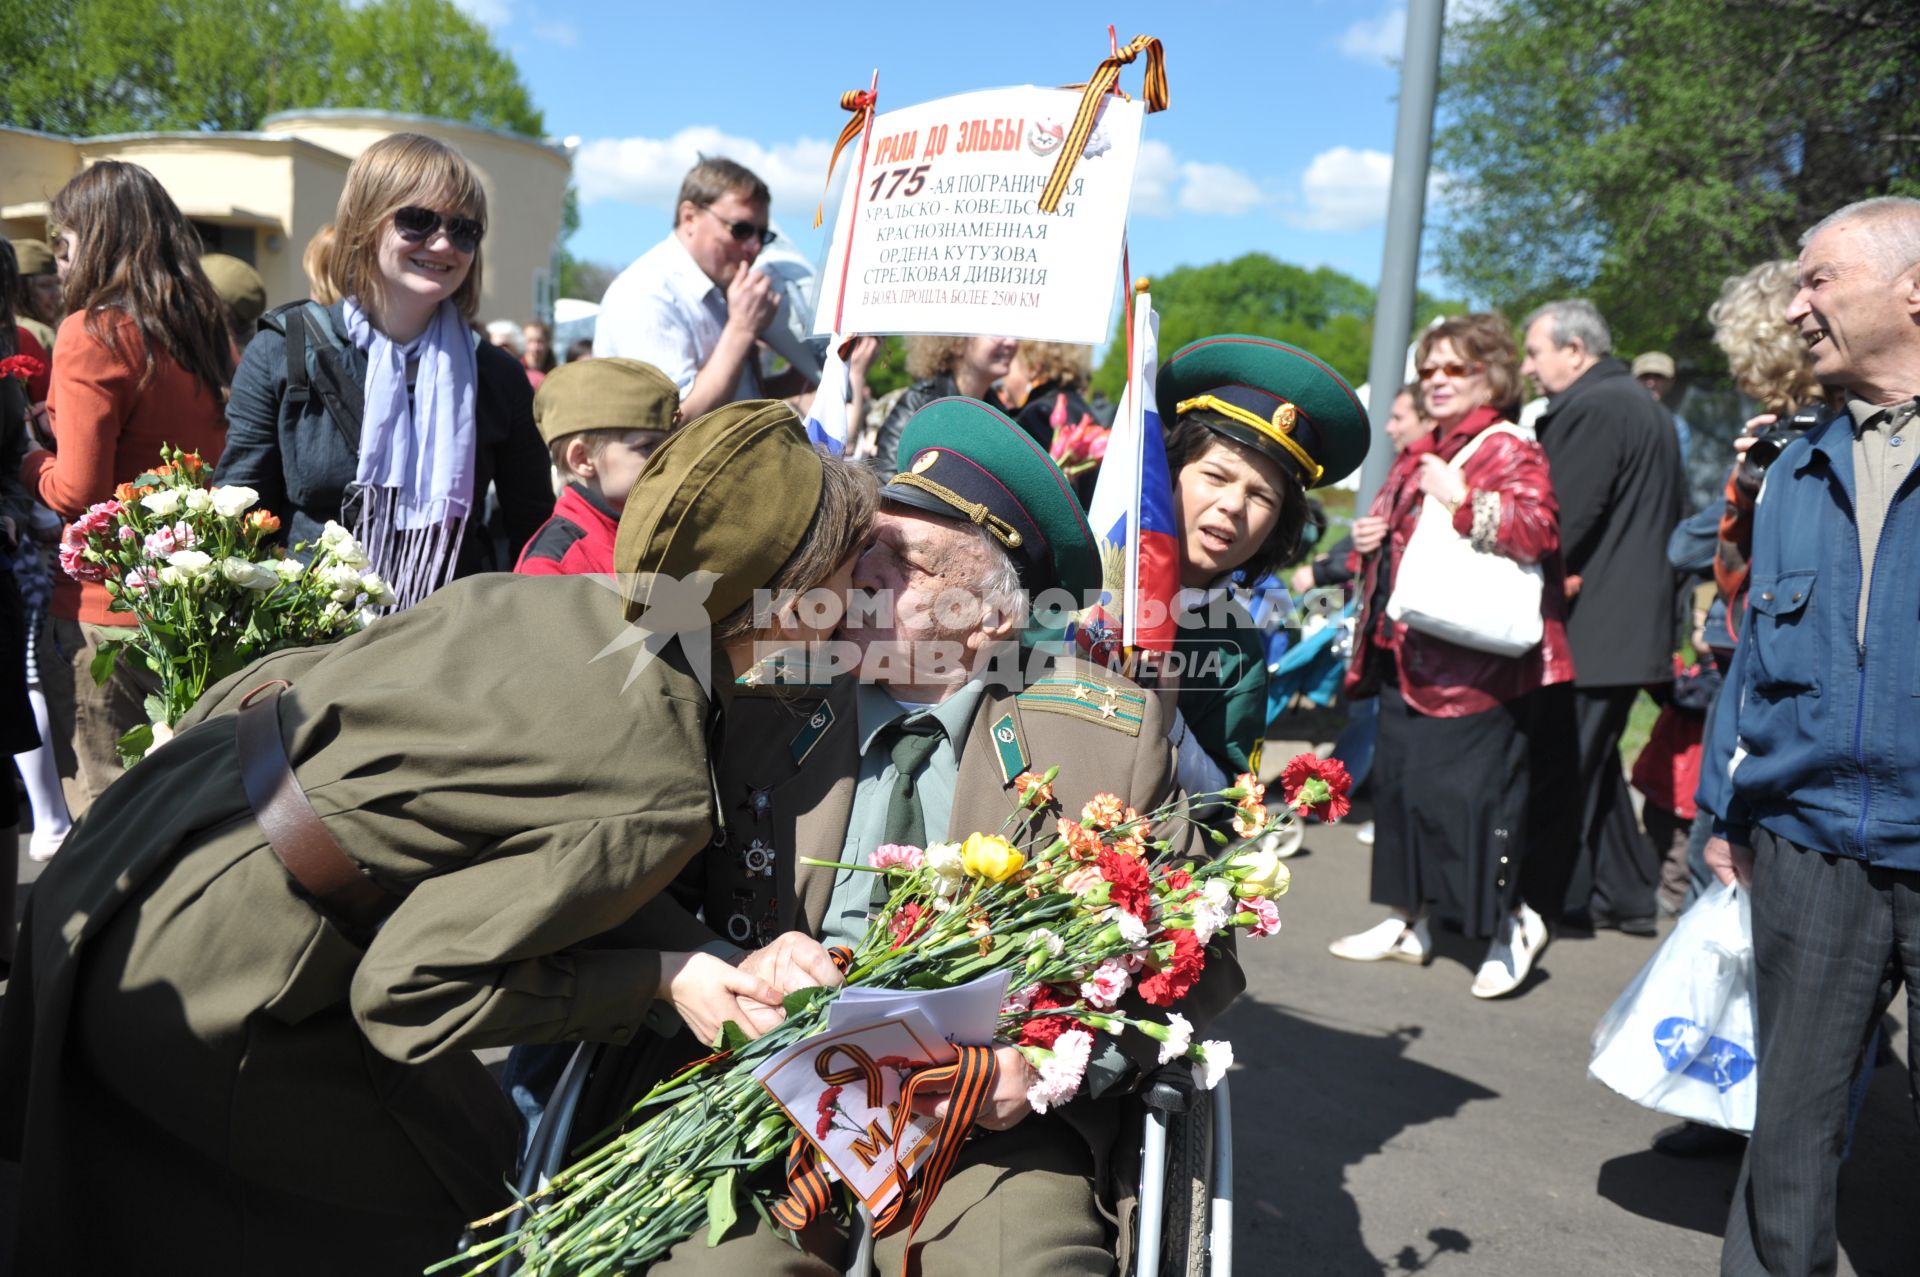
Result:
pixel 41 844
pixel 1364 834
pixel 1511 955
pixel 1395 938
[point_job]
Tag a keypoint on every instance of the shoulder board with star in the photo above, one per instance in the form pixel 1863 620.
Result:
pixel 1080 689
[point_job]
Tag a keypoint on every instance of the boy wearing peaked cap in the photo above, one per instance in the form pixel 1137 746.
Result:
pixel 602 419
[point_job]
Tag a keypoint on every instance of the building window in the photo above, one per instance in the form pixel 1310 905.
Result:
pixel 234 241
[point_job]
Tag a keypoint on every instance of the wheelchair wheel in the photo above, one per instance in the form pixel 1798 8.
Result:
pixel 1184 1231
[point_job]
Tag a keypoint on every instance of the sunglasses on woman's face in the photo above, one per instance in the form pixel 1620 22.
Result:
pixel 744 231
pixel 1453 370
pixel 417 226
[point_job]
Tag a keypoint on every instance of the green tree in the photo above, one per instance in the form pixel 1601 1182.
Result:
pixel 1320 310
pixel 88 67
pixel 1638 154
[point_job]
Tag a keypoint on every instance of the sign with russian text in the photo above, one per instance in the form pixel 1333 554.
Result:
pixel 939 232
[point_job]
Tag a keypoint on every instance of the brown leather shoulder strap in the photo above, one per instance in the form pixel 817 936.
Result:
pixel 312 858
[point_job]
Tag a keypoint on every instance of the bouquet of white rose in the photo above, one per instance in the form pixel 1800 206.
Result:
pixel 206 593
pixel 1104 929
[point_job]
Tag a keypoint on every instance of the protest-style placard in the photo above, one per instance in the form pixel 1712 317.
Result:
pixel 939 229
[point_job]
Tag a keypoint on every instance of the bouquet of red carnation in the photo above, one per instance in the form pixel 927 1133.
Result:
pixel 1102 910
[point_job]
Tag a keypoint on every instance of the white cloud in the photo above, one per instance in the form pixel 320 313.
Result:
pixel 647 171
pixel 1155 174
pixel 492 13
pixel 1381 39
pixel 1345 189
pixel 1164 184
pixel 1218 189
pixel 559 31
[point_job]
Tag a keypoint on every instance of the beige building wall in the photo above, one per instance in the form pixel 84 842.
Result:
pixel 272 190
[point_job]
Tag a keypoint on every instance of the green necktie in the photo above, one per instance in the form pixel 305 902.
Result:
pixel 913 743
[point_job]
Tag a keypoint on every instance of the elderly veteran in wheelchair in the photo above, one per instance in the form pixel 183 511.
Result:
pixel 911 749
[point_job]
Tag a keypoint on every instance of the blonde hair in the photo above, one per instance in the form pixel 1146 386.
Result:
pixel 1769 360
pixel 1057 362
pixel 315 261
pixel 932 356
pixel 399 170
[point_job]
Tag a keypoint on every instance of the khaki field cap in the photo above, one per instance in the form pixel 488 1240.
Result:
pixel 1656 363
pixel 731 493
pixel 35 257
pixel 604 394
pixel 238 284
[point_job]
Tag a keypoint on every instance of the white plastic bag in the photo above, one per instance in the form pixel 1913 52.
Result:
pixel 1475 598
pixel 1681 1039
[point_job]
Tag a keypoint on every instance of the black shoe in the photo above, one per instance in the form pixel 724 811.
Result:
pixel 1606 919
pixel 1697 1139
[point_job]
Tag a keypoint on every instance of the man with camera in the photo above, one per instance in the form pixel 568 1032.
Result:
pixel 1806 769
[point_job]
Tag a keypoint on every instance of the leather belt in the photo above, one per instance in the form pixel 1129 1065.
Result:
pixel 316 863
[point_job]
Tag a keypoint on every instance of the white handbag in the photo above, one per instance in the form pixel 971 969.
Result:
pixel 1449 590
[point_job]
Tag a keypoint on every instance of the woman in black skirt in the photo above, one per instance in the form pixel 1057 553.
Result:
pixel 1450 767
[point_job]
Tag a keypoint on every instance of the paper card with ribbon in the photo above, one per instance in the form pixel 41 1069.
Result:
pixel 842 1090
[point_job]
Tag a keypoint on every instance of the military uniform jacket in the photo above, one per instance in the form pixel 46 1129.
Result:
pixel 188 1044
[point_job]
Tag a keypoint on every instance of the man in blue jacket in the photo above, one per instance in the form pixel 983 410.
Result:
pixel 1809 764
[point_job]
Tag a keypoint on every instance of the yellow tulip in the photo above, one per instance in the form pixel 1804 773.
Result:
pixel 991 857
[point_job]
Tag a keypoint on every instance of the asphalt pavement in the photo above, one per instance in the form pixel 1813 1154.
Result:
pixel 1386 1121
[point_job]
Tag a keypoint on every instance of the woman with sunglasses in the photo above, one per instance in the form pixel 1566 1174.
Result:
pixel 1451 759
pixel 441 414
pixel 144 361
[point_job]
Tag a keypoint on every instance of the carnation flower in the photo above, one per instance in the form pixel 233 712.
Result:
pixel 1061 1069
pixel 1019 1000
pixel 1215 1057
pixel 908 921
pixel 160 543
pixel 1178 1039
pixel 1044 1030
pixel 1249 819
pixel 1177 972
pixel 1107 985
pixel 1081 880
pixel 1266 916
pixel 1249 784
pixel 1132 889
pixel 1209 918
pixel 949 870
pixel 1316 786
pixel 897 855
pixel 127 533
pixel 1082 843
pixel 1133 930
pixel 828 1102
pixel 1045 939
pixel 1103 811
pixel 1033 790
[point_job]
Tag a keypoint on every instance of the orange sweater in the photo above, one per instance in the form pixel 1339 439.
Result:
pixel 109 429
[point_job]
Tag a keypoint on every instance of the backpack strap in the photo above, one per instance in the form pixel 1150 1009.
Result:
pixel 317 362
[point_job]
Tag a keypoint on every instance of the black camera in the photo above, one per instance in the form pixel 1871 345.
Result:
pixel 1773 440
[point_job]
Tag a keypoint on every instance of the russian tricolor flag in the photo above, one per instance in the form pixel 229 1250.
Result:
pixel 827 424
pixel 1132 512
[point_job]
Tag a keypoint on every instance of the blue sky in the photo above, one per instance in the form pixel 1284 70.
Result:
pixel 1278 138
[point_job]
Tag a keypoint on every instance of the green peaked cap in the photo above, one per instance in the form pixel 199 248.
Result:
pixel 1280 400
pixel 965 461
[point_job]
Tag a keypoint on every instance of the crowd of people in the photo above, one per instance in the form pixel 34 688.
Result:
pixel 503 843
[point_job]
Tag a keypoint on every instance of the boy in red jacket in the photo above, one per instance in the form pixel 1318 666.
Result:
pixel 602 419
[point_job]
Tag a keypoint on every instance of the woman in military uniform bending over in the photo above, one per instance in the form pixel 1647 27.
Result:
pixel 240 1029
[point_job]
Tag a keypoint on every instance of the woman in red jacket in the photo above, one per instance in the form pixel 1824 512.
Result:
pixel 1450 767
pixel 143 360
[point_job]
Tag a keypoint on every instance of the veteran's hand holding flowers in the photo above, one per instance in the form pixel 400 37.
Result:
pixel 1104 932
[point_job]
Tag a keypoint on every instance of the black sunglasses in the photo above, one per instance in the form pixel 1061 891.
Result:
pixel 417 225
pixel 744 231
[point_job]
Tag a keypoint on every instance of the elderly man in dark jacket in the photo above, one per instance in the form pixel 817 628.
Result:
pixel 1617 474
